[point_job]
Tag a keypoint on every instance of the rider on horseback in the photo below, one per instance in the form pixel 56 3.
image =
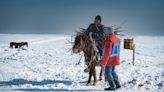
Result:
pixel 96 31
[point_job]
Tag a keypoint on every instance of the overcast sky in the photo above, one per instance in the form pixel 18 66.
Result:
pixel 143 17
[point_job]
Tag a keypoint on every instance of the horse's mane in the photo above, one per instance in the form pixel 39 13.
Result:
pixel 85 37
pixel 81 32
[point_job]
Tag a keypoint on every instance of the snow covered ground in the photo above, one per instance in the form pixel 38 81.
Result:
pixel 48 65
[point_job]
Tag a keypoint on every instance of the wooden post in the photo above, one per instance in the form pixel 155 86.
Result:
pixel 133 53
pixel 128 44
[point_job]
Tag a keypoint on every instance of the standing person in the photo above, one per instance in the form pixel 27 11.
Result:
pixel 110 60
pixel 96 31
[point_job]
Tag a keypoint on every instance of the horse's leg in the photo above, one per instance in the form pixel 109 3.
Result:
pixel 91 71
pixel 89 79
pixel 94 75
pixel 101 72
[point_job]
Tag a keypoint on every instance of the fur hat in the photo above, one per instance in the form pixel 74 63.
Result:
pixel 98 17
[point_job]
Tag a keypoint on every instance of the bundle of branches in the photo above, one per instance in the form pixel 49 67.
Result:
pixel 118 29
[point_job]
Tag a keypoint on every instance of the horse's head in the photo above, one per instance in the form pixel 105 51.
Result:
pixel 78 43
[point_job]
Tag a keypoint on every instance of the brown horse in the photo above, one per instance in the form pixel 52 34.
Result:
pixel 84 43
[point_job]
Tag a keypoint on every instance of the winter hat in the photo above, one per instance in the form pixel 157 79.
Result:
pixel 108 30
pixel 98 17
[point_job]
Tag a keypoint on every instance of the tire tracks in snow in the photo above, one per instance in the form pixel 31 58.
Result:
pixel 46 40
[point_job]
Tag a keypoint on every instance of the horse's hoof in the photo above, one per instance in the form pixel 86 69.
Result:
pixel 88 84
pixel 94 83
pixel 86 70
pixel 100 78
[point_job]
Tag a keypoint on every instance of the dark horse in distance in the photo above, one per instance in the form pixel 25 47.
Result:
pixel 18 44
pixel 85 44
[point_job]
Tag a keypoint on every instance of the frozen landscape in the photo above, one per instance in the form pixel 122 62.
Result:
pixel 49 65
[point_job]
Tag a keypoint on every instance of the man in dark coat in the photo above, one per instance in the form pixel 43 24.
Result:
pixel 97 31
